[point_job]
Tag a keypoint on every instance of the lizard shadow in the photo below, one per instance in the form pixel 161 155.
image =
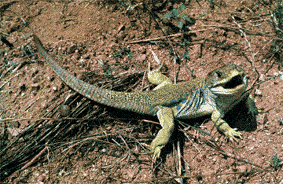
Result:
pixel 240 118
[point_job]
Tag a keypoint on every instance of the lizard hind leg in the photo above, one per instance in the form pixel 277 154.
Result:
pixel 166 119
pixel 157 78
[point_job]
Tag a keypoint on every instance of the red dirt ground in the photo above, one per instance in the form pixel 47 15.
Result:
pixel 79 33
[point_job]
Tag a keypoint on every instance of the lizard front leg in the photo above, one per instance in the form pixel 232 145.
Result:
pixel 166 119
pixel 223 126
pixel 251 105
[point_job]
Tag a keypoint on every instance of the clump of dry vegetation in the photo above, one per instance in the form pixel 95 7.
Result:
pixel 49 134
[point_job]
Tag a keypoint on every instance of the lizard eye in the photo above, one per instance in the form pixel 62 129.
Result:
pixel 218 74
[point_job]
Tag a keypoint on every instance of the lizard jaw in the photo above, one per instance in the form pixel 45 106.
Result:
pixel 237 84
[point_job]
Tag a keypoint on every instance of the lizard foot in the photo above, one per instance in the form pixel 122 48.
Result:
pixel 156 153
pixel 253 111
pixel 231 133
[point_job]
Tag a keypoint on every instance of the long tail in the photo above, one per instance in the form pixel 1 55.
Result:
pixel 120 100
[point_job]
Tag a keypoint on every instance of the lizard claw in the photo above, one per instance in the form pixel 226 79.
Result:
pixel 231 133
pixel 156 153
pixel 253 111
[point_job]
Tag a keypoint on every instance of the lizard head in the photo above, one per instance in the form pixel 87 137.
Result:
pixel 227 80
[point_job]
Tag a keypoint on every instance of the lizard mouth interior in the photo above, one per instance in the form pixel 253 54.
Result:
pixel 234 82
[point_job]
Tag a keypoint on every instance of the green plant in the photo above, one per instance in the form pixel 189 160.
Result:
pixel 106 68
pixel 130 56
pixel 125 51
pixel 185 43
pixel 276 20
pixel 178 13
pixel 116 55
pixel 275 161
pixel 124 4
pixel 171 52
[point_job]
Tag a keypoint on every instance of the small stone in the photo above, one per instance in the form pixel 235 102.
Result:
pixel 242 168
pixel 22 86
pixel 258 92
pixel 76 55
pixel 121 28
pixel 72 49
pixel 141 57
pixel 35 87
pixel 13 132
pixel 65 110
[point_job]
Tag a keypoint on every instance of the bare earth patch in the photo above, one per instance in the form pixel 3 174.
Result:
pixel 49 134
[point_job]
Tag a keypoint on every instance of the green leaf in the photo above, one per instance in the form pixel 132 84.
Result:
pixel 167 15
pixel 180 24
pixel 175 12
pixel 183 16
pixel 182 7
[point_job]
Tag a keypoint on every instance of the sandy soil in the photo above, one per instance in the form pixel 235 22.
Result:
pixel 110 44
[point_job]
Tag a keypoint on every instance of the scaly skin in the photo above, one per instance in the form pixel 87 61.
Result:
pixel 215 94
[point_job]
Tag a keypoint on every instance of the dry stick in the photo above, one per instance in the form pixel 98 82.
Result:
pixel 4 73
pixel 154 39
pixel 119 161
pixel 179 169
pixel 124 141
pixel 9 80
pixel 249 32
pixel 30 162
pixel 164 37
pixel 60 119
pixel 254 69
pixel 216 147
pixel 249 45
pixel 176 71
pixel 117 143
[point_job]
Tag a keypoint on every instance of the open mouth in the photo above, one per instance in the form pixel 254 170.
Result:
pixel 233 83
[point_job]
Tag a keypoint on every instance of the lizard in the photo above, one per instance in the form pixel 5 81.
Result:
pixel 212 95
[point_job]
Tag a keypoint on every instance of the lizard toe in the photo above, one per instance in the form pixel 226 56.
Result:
pixel 156 153
pixel 253 111
pixel 232 133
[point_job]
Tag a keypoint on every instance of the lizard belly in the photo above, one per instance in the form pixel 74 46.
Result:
pixel 203 110
pixel 196 105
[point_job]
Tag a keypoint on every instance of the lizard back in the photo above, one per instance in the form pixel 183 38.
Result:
pixel 140 102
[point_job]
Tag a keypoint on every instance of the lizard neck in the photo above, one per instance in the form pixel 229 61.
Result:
pixel 225 102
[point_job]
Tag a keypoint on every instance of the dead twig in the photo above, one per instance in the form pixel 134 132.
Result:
pixel 32 160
